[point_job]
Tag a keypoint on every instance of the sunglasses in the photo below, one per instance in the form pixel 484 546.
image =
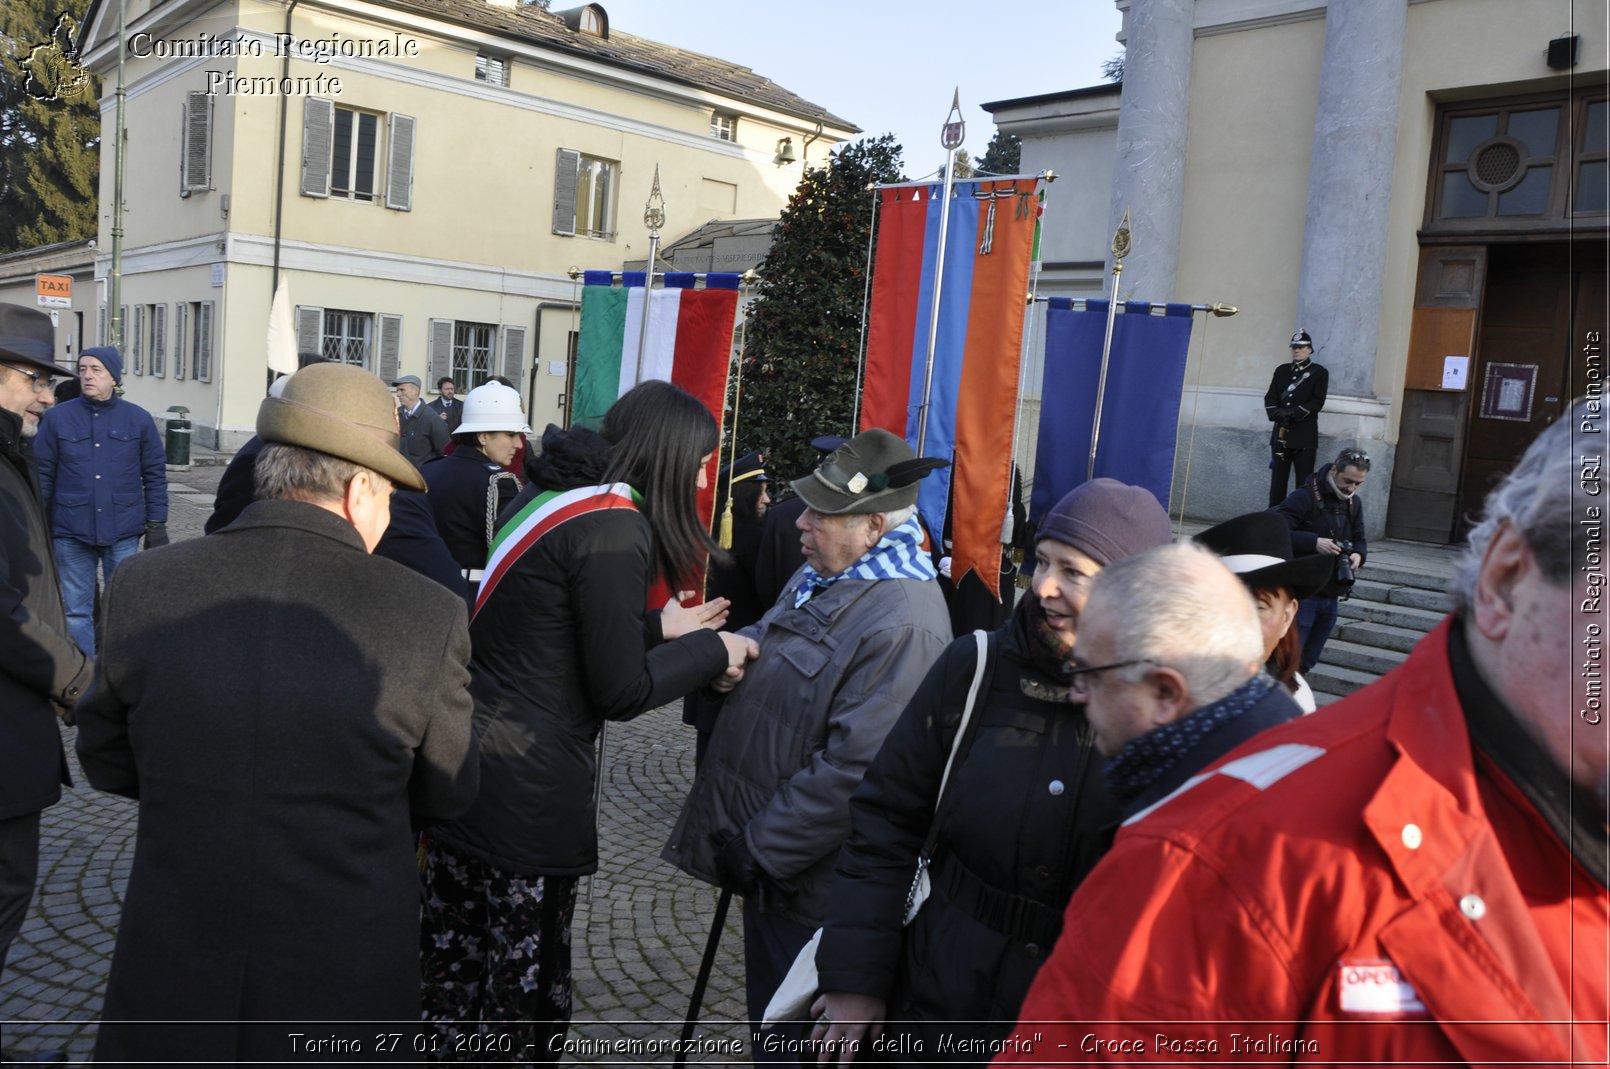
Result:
pixel 1354 458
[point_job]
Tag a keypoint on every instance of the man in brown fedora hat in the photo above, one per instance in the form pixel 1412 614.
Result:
pixel 841 652
pixel 274 875
pixel 42 671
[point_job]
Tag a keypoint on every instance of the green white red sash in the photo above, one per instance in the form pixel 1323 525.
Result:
pixel 541 515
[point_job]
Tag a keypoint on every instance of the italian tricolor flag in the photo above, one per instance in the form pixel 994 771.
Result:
pixel 689 339
pixel 688 343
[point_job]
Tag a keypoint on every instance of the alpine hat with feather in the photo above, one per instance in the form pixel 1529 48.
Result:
pixel 872 472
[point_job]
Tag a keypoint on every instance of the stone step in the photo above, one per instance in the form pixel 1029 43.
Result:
pixel 1331 681
pixel 1424 575
pixel 1360 658
pixel 1411 597
pixel 1378 636
pixel 1384 612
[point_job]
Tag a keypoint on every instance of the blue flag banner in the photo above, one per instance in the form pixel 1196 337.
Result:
pixel 1140 415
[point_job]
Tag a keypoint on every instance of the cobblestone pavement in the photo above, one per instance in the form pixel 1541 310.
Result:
pixel 640 925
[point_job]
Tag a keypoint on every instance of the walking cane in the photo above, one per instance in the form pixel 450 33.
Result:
pixel 697 1002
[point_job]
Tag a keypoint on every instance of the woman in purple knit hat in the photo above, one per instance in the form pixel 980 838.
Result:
pixel 1024 816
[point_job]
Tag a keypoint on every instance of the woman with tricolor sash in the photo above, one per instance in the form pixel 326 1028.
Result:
pixel 564 638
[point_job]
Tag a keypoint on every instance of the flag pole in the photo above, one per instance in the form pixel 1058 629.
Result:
pixel 955 129
pixel 653 218
pixel 1120 249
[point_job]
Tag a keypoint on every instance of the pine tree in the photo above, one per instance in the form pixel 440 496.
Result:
pixel 49 129
pixel 1004 154
pixel 804 331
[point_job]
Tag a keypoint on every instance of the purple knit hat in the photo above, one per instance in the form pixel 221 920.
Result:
pixel 109 357
pixel 1107 520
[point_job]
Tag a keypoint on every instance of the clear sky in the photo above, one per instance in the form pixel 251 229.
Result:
pixel 891 67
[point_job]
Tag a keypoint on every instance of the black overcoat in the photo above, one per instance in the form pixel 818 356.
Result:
pixel 279 701
pixel 38 661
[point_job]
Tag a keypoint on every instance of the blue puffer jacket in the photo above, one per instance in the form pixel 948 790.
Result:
pixel 102 470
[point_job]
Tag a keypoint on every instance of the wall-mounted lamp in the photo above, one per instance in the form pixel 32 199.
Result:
pixel 785 152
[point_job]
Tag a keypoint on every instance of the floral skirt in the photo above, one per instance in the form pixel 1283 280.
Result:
pixel 495 959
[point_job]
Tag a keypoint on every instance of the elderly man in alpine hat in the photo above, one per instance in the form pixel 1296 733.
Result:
pixel 841 652
pixel 274 876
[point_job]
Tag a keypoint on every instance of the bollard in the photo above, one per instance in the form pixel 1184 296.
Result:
pixel 176 438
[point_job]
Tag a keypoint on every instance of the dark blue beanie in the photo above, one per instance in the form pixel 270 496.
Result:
pixel 111 358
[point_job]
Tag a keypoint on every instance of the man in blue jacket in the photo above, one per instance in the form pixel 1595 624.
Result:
pixel 103 477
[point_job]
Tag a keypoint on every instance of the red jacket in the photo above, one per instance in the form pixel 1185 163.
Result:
pixel 1353 887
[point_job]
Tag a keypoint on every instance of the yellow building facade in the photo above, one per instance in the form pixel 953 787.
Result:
pixel 422 175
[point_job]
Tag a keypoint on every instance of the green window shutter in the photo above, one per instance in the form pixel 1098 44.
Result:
pixel 136 339
pixel 181 338
pixel 159 339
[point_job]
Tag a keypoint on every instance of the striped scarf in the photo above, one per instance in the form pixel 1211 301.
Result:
pixel 899 555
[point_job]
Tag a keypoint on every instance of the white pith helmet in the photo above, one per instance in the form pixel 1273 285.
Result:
pixel 492 407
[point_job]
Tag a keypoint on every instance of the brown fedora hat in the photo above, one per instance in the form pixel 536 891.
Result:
pixel 341 410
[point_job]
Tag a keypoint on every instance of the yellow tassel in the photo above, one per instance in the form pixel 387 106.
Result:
pixel 726 526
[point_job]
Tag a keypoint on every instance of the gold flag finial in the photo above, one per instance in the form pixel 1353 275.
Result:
pixel 1120 238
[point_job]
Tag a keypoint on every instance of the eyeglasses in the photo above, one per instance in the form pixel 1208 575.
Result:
pixel 40 380
pixel 1078 675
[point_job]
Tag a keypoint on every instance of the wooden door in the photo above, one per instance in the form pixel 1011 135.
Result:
pixel 1539 301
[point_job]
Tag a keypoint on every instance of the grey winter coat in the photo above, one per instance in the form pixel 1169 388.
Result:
pixel 798 733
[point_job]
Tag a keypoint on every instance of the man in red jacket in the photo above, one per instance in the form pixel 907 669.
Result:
pixel 1417 874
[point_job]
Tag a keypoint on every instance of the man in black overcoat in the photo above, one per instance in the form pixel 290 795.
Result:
pixel 255 693
pixel 42 671
pixel 1296 394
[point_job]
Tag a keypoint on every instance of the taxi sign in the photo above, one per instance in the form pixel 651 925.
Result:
pixel 54 291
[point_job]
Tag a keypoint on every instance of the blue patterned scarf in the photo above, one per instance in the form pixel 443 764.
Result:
pixel 899 555
pixel 1144 759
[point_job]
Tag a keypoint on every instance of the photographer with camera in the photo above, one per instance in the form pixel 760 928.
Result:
pixel 1326 516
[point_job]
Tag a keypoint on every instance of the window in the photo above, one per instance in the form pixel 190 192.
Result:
pixel 493 69
pixel 584 195
pixel 723 127
pixel 472 353
pixel 201 340
pixel 355 145
pixel 341 154
pixel 468 352
pixel 346 337
pixel 1512 163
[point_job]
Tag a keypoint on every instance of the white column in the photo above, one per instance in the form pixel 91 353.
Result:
pixel 1350 189
pixel 1149 168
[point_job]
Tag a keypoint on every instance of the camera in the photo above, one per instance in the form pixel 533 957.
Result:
pixel 1344 564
